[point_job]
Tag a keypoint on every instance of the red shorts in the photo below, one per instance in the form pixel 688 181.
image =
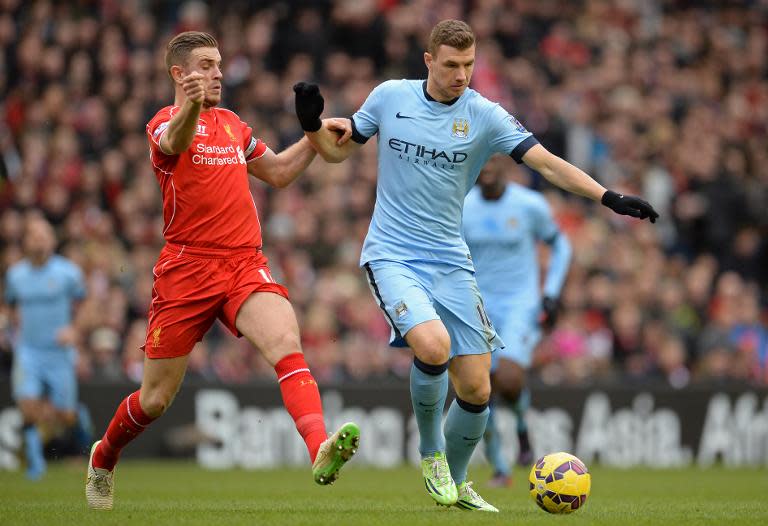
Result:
pixel 193 287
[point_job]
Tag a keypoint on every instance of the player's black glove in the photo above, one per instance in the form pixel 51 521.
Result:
pixel 549 308
pixel 629 205
pixel 309 106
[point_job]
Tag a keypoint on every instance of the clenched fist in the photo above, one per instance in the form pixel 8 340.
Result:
pixel 193 87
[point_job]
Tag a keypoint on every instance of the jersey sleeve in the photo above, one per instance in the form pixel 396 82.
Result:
pixel 545 228
pixel 77 283
pixel 155 130
pixel 508 136
pixel 253 148
pixel 365 122
pixel 157 127
pixel 9 294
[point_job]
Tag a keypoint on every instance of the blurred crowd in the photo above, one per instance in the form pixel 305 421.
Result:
pixel 666 99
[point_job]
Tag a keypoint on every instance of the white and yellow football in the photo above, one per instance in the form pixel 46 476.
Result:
pixel 559 483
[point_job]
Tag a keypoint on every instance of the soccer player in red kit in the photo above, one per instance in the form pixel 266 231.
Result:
pixel 212 265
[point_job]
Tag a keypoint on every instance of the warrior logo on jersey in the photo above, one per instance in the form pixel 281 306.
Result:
pixel 228 129
pixel 201 130
pixel 460 128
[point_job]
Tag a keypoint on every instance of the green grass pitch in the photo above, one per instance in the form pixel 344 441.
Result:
pixel 182 493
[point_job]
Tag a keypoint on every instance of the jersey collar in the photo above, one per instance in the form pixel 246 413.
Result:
pixel 432 99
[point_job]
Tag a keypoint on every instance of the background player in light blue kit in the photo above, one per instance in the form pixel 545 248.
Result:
pixel 43 289
pixel 434 136
pixel 504 222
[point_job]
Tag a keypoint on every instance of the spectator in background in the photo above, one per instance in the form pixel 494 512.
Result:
pixel 667 100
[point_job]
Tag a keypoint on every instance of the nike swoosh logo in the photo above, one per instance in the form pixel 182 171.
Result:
pixel 402 116
pixel 427 405
pixel 472 439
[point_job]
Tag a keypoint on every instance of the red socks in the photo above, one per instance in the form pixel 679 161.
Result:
pixel 302 400
pixel 300 396
pixel 128 423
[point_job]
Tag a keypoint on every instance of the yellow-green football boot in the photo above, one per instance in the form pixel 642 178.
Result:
pixel 438 480
pixel 471 501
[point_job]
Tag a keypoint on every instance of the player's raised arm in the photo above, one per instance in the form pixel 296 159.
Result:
pixel 330 136
pixel 182 127
pixel 281 169
pixel 568 177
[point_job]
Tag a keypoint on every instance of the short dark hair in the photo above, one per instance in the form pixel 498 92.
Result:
pixel 181 46
pixel 453 33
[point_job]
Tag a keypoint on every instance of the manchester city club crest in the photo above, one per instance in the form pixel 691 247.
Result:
pixel 460 128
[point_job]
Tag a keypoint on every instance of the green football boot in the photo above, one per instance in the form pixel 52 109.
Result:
pixel 470 500
pixel 335 452
pixel 437 479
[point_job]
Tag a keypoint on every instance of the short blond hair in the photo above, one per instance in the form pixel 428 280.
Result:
pixel 180 46
pixel 453 33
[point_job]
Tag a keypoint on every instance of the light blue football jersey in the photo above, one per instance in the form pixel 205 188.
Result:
pixel 502 236
pixel 429 156
pixel 44 296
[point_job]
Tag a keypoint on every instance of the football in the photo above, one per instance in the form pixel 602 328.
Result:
pixel 559 483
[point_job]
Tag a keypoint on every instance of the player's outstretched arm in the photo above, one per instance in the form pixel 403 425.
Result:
pixel 281 169
pixel 568 177
pixel 330 137
pixel 182 127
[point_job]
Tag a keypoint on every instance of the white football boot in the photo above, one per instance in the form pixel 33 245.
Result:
pixel 99 485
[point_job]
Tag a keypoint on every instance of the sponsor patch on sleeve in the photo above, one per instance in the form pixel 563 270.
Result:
pixel 160 129
pixel 517 125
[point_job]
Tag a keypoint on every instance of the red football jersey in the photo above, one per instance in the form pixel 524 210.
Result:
pixel 206 199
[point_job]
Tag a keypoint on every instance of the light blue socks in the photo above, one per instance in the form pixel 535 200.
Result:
pixel 521 407
pixel 429 388
pixel 493 446
pixel 33 449
pixel 464 428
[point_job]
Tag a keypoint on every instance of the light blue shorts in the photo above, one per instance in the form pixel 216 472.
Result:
pixel 45 374
pixel 414 292
pixel 519 328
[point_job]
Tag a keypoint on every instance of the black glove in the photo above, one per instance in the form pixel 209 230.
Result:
pixel 549 309
pixel 629 205
pixel 309 106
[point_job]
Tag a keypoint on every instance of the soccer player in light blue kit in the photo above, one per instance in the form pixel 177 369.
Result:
pixel 434 136
pixel 43 288
pixel 504 222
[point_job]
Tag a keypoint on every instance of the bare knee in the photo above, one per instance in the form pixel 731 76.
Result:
pixel 434 353
pixel 155 402
pixel 431 346
pixel 285 344
pixel 476 390
pixel 68 418
pixel 31 410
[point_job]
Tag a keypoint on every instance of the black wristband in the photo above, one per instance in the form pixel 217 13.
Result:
pixel 609 197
